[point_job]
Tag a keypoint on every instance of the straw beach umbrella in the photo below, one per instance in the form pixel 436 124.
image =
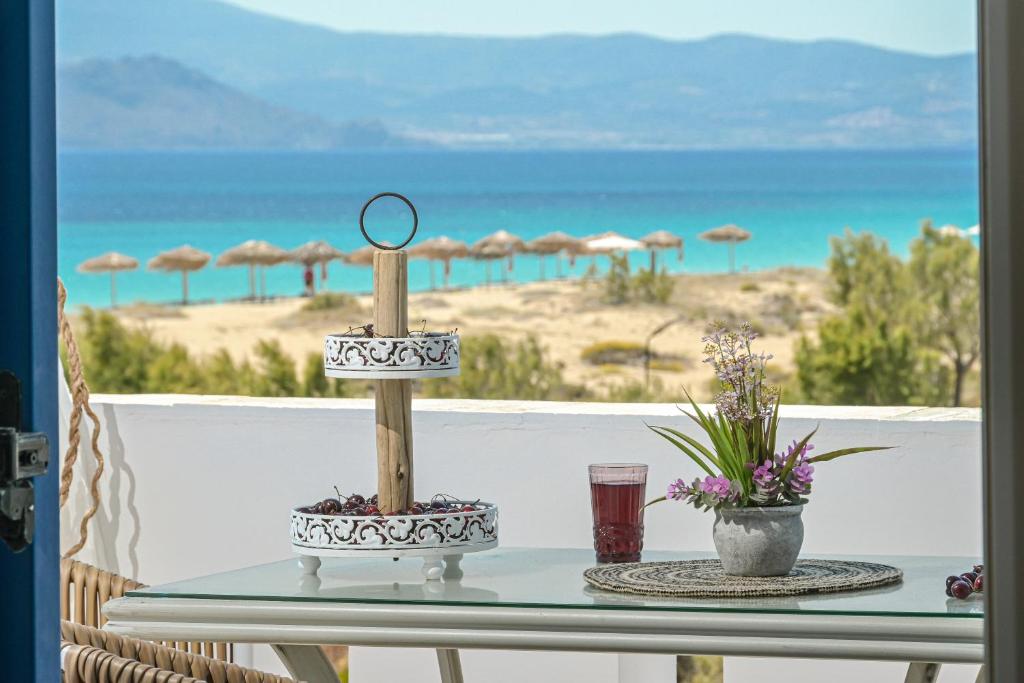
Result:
pixel 184 259
pixel 731 235
pixel 317 253
pixel 363 256
pixel 488 254
pixel 442 249
pixel 253 253
pixel 554 243
pixel 111 262
pixel 498 245
pixel 662 239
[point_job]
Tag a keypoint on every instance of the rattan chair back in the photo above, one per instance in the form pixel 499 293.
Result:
pixel 96 656
pixel 84 589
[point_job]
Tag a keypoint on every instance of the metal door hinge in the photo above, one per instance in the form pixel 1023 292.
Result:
pixel 23 455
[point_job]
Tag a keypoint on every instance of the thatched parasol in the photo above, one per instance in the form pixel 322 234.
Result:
pixel 501 244
pixel 312 253
pixel 554 243
pixel 317 252
pixel 488 254
pixel 363 256
pixel 731 235
pixel 253 253
pixel 184 259
pixel 442 249
pixel 662 239
pixel 111 262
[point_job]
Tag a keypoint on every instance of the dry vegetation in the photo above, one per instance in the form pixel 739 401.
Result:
pixel 567 317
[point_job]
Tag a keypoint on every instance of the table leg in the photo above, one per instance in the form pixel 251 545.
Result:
pixel 450 664
pixel 922 672
pixel 307 663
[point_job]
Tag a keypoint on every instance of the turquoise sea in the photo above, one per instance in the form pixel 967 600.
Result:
pixel 144 203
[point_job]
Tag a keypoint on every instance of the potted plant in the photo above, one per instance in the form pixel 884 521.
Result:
pixel 756 490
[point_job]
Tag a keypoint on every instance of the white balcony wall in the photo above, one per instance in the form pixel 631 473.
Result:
pixel 195 485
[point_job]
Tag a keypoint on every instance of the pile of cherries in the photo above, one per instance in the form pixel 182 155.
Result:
pixel 356 505
pixel 962 586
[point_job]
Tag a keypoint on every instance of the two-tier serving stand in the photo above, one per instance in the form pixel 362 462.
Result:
pixel 392 356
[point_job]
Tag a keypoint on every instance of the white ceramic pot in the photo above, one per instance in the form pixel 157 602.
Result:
pixel 758 541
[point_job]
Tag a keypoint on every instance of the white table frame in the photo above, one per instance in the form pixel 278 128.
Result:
pixel 296 628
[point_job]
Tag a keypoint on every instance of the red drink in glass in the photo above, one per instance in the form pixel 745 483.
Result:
pixel 617 500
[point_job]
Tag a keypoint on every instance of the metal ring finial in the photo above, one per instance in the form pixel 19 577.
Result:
pixel 415 220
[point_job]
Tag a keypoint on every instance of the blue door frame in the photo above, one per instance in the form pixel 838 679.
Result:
pixel 29 602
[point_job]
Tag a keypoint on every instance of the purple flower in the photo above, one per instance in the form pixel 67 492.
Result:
pixel 764 476
pixel 678 490
pixel 717 486
pixel 801 478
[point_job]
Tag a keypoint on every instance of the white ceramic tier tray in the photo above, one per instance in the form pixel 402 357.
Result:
pixel 420 355
pixel 441 539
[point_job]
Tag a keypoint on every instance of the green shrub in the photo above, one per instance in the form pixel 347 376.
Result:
pixel 330 301
pixel 906 333
pixel 613 352
pixel 496 369
pixel 645 286
pixel 652 287
pixel 122 360
pixel 750 287
pixel 617 282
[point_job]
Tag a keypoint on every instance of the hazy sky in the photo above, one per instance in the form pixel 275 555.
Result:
pixel 930 26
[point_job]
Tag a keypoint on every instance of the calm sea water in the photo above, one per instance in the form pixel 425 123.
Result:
pixel 143 203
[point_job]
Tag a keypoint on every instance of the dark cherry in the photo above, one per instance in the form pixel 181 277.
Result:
pixel 330 506
pixel 950 580
pixel 468 508
pixel 372 500
pixel 372 510
pixel 969 577
pixel 356 499
pixel 979 584
pixel 961 589
pixel 438 505
pixel 393 513
pixel 416 510
pixel 979 568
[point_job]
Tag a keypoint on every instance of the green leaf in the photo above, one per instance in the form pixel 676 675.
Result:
pixel 832 455
pixel 695 444
pixel 796 452
pixel 660 499
pixel 683 447
pixel 774 425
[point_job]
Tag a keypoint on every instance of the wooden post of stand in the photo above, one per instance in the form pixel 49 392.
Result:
pixel 393 396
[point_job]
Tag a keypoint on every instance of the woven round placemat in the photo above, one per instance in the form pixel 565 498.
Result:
pixel 705 579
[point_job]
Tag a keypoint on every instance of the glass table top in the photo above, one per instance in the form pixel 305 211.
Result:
pixel 553 578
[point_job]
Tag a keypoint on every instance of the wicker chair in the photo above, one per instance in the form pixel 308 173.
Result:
pixel 95 656
pixel 84 589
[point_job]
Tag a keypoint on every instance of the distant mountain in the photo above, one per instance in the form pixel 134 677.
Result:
pixel 156 103
pixel 575 91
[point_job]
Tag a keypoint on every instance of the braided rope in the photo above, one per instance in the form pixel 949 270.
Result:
pixel 79 403
pixel 707 579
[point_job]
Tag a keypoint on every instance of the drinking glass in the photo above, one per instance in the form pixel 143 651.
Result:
pixel 617 500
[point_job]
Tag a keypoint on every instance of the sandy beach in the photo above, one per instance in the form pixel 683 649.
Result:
pixel 566 316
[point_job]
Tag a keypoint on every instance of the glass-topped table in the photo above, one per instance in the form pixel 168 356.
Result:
pixel 536 599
